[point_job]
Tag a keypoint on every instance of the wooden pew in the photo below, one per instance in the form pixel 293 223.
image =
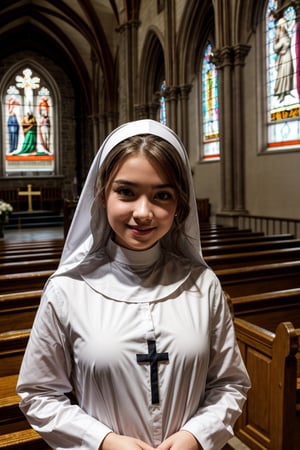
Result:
pixel 29 256
pixel 261 278
pixel 277 306
pixel 207 240
pixel 15 432
pixel 8 245
pixel 238 278
pixel 26 439
pixel 241 247
pixel 269 419
pixel 52 241
pixel 215 255
pixel 266 311
pixel 243 259
pixel 208 225
pixel 18 309
pixel 27 281
pixel 12 348
pixel 11 418
pixel 29 266
pixel 230 233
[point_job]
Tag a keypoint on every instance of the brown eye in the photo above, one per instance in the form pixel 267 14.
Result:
pixel 164 195
pixel 124 192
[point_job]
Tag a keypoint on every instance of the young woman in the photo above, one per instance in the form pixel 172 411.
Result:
pixel 133 323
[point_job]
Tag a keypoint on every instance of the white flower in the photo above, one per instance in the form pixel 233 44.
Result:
pixel 5 208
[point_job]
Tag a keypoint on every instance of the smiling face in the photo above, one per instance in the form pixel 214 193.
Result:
pixel 140 203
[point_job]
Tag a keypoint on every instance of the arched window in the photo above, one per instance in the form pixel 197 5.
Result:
pixel 283 55
pixel 162 104
pixel 28 122
pixel 210 106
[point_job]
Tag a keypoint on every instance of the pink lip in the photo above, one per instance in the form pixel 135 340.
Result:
pixel 140 231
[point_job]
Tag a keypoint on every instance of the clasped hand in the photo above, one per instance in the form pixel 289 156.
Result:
pixel 182 440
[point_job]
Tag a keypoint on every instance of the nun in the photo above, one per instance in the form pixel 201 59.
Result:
pixel 133 345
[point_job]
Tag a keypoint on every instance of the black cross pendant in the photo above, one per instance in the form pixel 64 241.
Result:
pixel 153 358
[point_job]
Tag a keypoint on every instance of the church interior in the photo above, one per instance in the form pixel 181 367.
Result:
pixel 225 76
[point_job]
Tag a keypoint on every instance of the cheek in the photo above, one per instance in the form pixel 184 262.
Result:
pixel 166 215
pixel 116 210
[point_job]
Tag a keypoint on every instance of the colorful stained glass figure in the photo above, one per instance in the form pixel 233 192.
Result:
pixel 28 118
pixel 162 104
pixel 283 65
pixel 210 106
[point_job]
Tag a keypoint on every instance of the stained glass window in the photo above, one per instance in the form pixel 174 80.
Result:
pixel 210 106
pixel 162 104
pixel 28 124
pixel 283 88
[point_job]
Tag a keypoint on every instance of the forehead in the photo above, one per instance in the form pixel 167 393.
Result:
pixel 138 166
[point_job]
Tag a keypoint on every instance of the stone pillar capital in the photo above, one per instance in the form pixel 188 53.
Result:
pixel 184 90
pixel 171 93
pixel 223 57
pixel 240 53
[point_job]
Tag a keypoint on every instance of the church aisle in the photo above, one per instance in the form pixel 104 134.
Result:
pixel 33 234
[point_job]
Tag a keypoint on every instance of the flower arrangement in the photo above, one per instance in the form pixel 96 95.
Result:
pixel 5 209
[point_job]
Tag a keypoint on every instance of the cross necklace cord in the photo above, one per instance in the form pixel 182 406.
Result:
pixel 153 358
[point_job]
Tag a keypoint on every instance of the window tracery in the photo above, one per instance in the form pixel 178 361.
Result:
pixel 283 77
pixel 28 123
pixel 210 106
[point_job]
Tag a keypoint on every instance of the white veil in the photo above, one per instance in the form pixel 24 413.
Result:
pixel 88 234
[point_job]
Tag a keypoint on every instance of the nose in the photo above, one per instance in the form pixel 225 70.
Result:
pixel 142 210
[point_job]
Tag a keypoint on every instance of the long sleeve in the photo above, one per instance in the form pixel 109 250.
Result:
pixel 227 380
pixel 44 381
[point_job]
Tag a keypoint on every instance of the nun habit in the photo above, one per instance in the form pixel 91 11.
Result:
pixel 143 340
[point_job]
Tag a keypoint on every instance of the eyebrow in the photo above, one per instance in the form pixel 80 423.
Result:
pixel 131 183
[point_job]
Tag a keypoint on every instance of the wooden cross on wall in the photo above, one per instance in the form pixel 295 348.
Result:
pixel 29 193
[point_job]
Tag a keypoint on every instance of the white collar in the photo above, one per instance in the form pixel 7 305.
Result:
pixel 134 276
pixel 132 258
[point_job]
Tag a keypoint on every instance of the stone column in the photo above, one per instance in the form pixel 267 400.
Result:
pixel 153 111
pixel 171 106
pixel 184 91
pixel 171 64
pixel 111 121
pixel 128 69
pixel 102 133
pixel 95 127
pixel 240 53
pixel 94 100
pixel 230 62
pixel 223 61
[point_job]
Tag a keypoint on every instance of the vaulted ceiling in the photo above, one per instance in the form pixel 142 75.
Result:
pixel 70 32
pixel 67 31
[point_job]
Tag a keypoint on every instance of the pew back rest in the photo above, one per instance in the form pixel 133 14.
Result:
pixel 268 309
pixel 240 281
pixel 269 417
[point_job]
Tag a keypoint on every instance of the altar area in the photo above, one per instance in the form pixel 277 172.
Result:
pixel 33 197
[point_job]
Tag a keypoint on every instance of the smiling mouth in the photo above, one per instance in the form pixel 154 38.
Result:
pixel 140 230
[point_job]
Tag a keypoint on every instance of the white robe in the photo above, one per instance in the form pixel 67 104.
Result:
pixel 91 325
